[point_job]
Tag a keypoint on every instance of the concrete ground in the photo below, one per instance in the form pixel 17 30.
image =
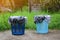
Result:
pixel 31 35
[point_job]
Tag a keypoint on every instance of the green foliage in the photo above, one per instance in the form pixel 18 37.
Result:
pixel 55 21
pixel 4 25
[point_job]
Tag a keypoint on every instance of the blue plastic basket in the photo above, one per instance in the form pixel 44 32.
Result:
pixel 42 27
pixel 18 29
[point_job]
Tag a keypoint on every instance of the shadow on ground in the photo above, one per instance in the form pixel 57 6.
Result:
pixel 31 35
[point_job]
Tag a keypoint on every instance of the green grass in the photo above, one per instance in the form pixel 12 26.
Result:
pixel 4 25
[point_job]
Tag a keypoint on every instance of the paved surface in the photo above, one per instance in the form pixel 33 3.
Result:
pixel 31 35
